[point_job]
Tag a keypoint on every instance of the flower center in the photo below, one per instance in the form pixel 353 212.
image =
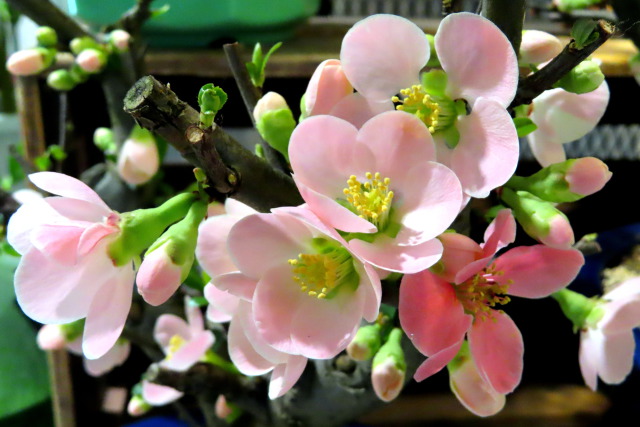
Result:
pixel 175 342
pixel 437 112
pixel 482 292
pixel 372 199
pixel 321 274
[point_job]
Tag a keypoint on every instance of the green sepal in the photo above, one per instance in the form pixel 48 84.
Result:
pixel 46 36
pixel 533 213
pixel 451 136
pixel 524 126
pixel 434 61
pixel 435 82
pixel 584 32
pixel 215 359
pixel 141 134
pixel 156 13
pixel 73 330
pixel 463 355
pixel 211 99
pixel 584 78
pixel 369 337
pixel 392 349
pixel 194 280
pixel 580 310
pixel 548 184
pixel 276 127
pixel 303 107
pixel 79 44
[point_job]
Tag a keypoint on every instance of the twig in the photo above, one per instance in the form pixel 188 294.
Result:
pixel 225 179
pixel 250 96
pixel 508 15
pixel 43 12
pixel 63 105
pixel 538 82
pixel 155 107
pixel 133 19
pixel 31 116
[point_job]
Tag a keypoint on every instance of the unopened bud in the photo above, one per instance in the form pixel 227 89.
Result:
pixel 366 343
pixel 328 85
pixel 275 122
pixel 538 47
pixel 540 219
pixel 104 139
pixel 51 337
pixel 585 77
pixel 389 368
pixel 137 406
pixel 91 60
pixel 46 37
pixel 30 61
pixel 61 80
pixel 79 44
pixel 138 160
pixel 119 39
pixel 223 410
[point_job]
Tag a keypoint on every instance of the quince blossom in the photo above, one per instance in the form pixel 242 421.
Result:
pixel 437 310
pixel 381 181
pixel 607 345
pixel 480 73
pixel 65 272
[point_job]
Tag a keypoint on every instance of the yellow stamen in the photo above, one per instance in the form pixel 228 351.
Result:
pixel 372 199
pixel 319 274
pixel 175 342
pixel 482 292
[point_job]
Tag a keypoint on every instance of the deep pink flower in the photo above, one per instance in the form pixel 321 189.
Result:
pixel 65 273
pixel 381 180
pixel 438 311
pixel 607 345
pixel 481 73
pixel 309 293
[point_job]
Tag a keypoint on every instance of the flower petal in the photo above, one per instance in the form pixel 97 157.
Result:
pixel 435 363
pixel 242 353
pixel 192 351
pixel 285 376
pixel 168 326
pixel 357 110
pixel 473 392
pixel 211 249
pixel 459 251
pixel 66 186
pixel 500 233
pixel 617 357
pixel 621 316
pixel 158 395
pixel 538 271
pixel 478 58
pixel 24 220
pixel 60 243
pixel 236 284
pixel 382 54
pixel 497 348
pixel 629 289
pixel 431 314
pixel 222 304
pixel 487 154
pixel 589 355
pixel 327 86
pixel 386 254
pixel 545 150
pixel 113 358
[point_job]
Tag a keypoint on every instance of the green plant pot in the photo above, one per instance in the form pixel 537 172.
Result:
pixel 197 23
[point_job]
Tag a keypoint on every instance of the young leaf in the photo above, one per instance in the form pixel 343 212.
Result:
pixel 524 126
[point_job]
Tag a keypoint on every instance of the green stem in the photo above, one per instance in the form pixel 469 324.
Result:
pixel 576 307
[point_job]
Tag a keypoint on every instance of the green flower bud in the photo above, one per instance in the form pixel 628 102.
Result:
pixel 389 368
pixel 366 343
pixel 275 122
pixel 585 77
pixel 105 140
pixel 79 44
pixel 46 37
pixel 211 99
pixel 61 80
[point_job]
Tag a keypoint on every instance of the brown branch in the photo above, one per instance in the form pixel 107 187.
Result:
pixel 155 107
pixel 224 180
pixel 532 86
pixel 134 18
pixel 43 12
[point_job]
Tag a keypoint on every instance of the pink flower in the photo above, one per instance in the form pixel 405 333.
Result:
pixel 438 310
pixel 66 273
pixel 29 61
pixel 563 117
pixel 91 60
pixel 184 344
pixel 309 293
pixel 607 344
pixel 538 47
pixel 381 180
pixel 481 73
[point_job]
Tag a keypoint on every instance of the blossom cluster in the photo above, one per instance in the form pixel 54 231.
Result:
pixel 384 172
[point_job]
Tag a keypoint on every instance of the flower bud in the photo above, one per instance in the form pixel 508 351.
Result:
pixel 275 122
pixel 119 39
pixel 585 77
pixel 538 47
pixel 328 85
pixel 634 64
pixel 566 181
pixel 46 36
pixel 223 410
pixel 389 368
pixel 104 139
pixel 138 160
pixel 570 5
pixel 91 60
pixel 137 406
pixel 61 80
pixel 30 61
pixel 51 337
pixel 366 343
pixel 79 44
pixel 168 261
pixel 540 219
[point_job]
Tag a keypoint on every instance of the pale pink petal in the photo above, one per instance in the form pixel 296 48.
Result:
pixel 243 355
pixel 24 220
pixel 244 316
pixel 621 316
pixel 78 210
pixel 108 314
pixel 500 233
pixel 589 356
pixel 168 326
pixel 328 85
pixel 587 175
pixel 190 352
pixel 236 208
pixel 497 348
pixel 371 287
pixel 236 284
pixel 194 316
pixel 66 186
pixel 566 116
pixel 382 54
pixel 459 251
pixel 472 268
pixel 222 304
pixel 387 380
pixel 431 314
pixel 617 357
pixel 158 277
pixel 211 249
pixel 487 154
pixel 546 150
pixel 538 271
pixel 158 395
pixel 435 363
pixel 92 235
pixel 285 376
pixel 478 58
pixel 386 254
pixel 357 110
pixel 113 358
pixel 60 243
pixel 627 290
pixel 280 239
pixel 473 392
pixel 538 47
pixel 560 233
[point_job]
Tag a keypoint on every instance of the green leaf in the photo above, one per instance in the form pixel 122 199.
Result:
pixel 160 11
pixel 42 163
pixel 57 152
pixel 584 33
pixel 23 366
pixel 524 126
pixel 258 63
pixel 15 170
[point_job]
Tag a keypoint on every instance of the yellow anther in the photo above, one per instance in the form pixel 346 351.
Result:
pixel 371 199
pixel 481 293
pixel 318 274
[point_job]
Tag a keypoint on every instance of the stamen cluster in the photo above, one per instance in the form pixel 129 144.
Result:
pixel 372 199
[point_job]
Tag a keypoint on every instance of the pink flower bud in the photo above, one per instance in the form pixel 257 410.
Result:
pixel 271 101
pixel 223 410
pixel 327 86
pixel 137 406
pixel 387 380
pixel 560 234
pixel 587 176
pixel 91 60
pixel 51 337
pixel 120 40
pixel 27 62
pixel 138 160
pixel 158 277
pixel 538 47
